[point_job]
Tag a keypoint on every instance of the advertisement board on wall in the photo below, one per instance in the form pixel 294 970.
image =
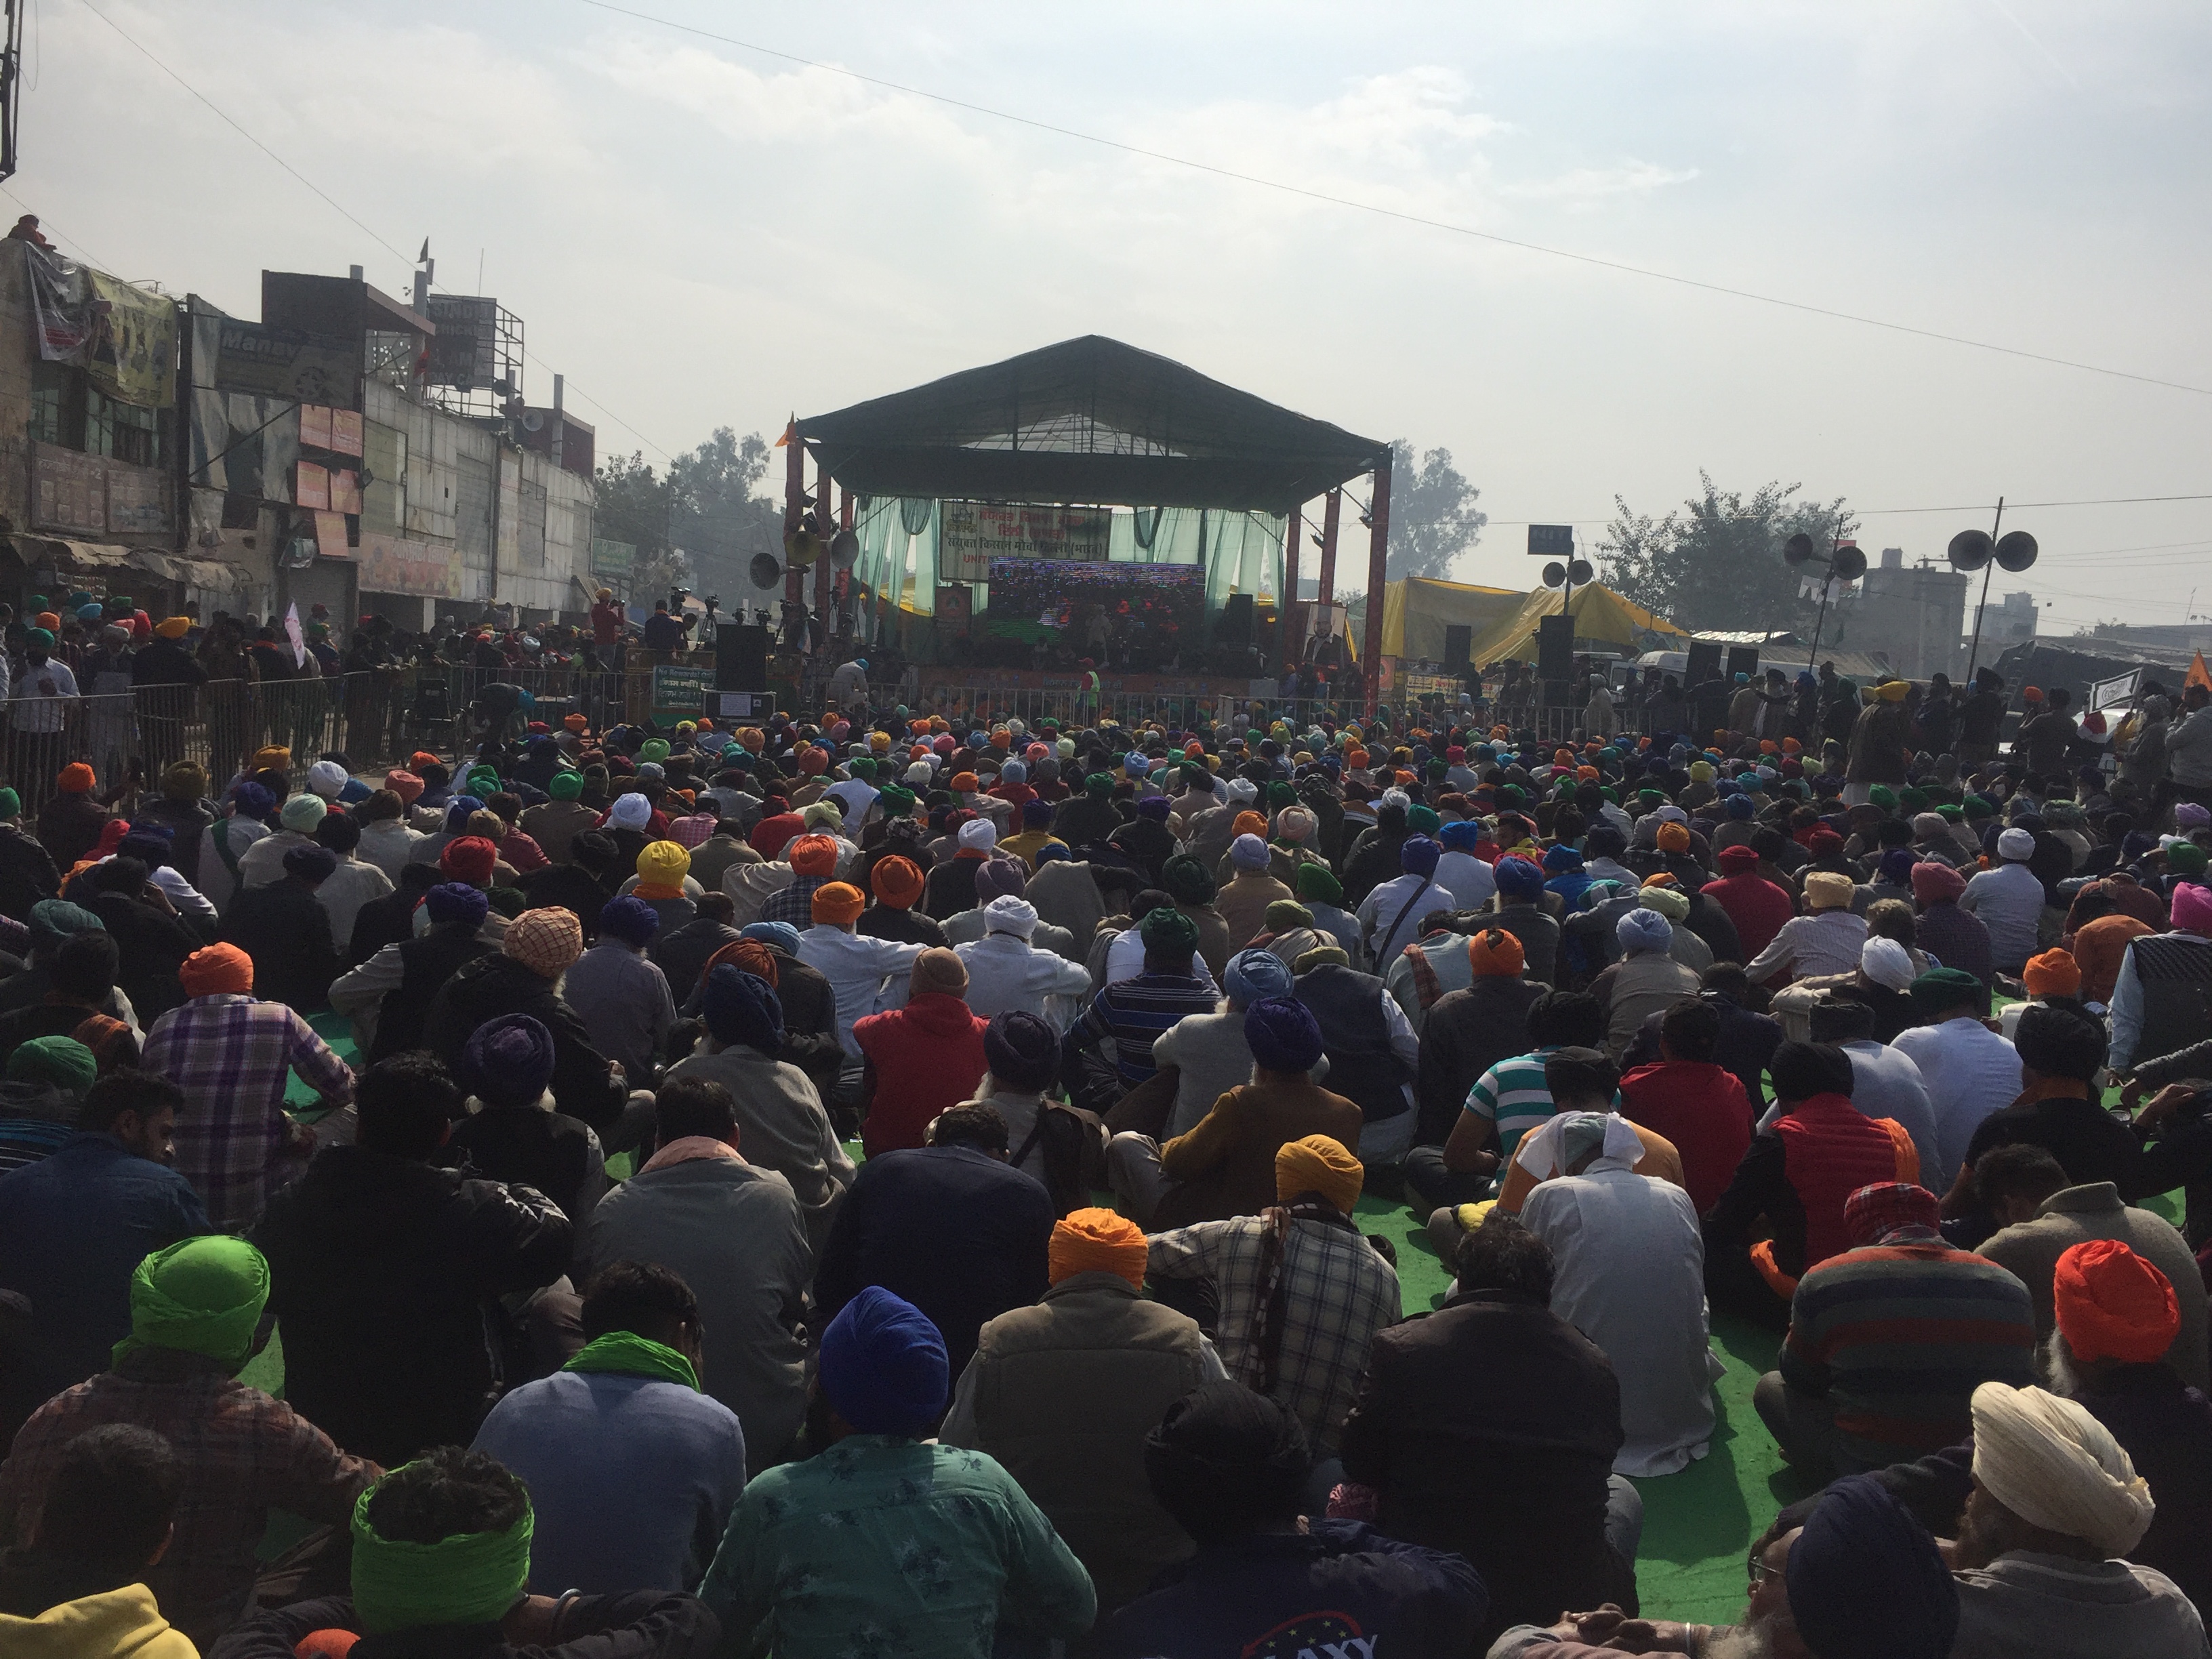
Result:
pixel 970 534
pixel 393 564
pixel 610 558
pixel 91 496
pixel 281 362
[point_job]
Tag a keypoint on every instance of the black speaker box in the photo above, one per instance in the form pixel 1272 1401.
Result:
pixel 1704 664
pixel 1555 648
pixel 1457 638
pixel 741 657
pixel 1235 625
pixel 1743 659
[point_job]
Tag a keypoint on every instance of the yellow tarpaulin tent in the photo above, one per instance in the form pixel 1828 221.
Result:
pixel 1602 617
pixel 1417 611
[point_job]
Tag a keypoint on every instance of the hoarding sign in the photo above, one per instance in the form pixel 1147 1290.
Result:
pixel 970 534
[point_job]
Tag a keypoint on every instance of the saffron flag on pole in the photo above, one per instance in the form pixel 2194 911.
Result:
pixel 2198 674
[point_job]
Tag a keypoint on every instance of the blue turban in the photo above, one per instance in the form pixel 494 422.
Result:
pixel 630 920
pixel 148 848
pixel 310 863
pixel 741 1007
pixel 457 901
pixel 1022 1049
pixel 1561 859
pixel 1643 930
pixel 1051 850
pixel 1282 1035
pixel 509 1061
pixel 1418 855
pixel 883 1366
pixel 1518 879
pixel 781 935
pixel 457 813
pixel 1255 975
pixel 252 801
pixel 1741 808
pixel 1865 1581
pixel 1460 835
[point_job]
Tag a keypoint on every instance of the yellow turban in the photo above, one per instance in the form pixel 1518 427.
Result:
pixel 661 868
pixel 1318 1164
pixel 174 629
pixel 1827 890
pixel 1096 1241
pixel 1892 690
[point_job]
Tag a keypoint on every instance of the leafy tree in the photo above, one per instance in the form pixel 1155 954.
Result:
pixel 632 507
pixel 1716 562
pixel 1433 517
pixel 716 517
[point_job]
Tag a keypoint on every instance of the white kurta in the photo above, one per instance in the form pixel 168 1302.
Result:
pixel 1629 1266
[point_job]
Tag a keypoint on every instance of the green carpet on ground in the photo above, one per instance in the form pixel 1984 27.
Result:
pixel 1698 1524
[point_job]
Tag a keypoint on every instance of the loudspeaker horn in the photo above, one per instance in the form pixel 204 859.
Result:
pixel 766 572
pixel 1581 571
pixel 1970 550
pixel 1555 575
pixel 1848 563
pixel 2016 550
pixel 1797 550
pixel 844 549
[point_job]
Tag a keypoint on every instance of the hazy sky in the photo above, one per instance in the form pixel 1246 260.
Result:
pixel 699 235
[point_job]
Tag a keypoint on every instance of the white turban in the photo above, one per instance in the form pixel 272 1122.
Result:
pixel 2056 1466
pixel 1643 930
pixel 1296 823
pixel 630 812
pixel 1886 963
pixel 1008 915
pixel 327 779
pixel 1242 790
pixel 2016 845
pixel 979 835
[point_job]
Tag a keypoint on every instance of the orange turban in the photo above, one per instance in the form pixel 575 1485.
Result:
pixel 839 902
pixel 1249 823
pixel 1096 1242
pixel 1318 1164
pixel 812 855
pixel 2053 973
pixel 217 969
pixel 897 881
pixel 747 956
pixel 2113 1304
pixel 965 783
pixel 1495 952
pixel 1674 838
pixel 77 779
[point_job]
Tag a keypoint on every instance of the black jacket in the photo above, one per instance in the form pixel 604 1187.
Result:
pixel 383 1271
pixel 526 1145
pixel 287 932
pixel 426 963
pixel 153 944
pixel 1489 1427
pixel 493 985
pixel 27 873
pixel 572 887
pixel 1467 1032
pixel 642 1625
pixel 681 952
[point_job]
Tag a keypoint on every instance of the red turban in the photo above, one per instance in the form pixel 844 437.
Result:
pixel 217 969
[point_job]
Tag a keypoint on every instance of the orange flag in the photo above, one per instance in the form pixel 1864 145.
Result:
pixel 2198 674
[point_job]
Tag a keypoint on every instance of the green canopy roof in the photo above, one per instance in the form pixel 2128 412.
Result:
pixel 1089 420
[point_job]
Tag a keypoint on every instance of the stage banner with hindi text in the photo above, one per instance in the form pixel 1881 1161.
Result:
pixel 970 534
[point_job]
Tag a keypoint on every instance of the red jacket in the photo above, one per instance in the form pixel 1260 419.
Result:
pixel 927 1056
pixel 1701 1108
pixel 1755 905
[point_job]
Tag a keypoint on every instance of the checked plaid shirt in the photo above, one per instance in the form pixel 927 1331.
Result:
pixel 1339 1293
pixel 230 1055
pixel 244 1453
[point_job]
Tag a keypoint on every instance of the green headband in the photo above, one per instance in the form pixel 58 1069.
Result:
pixel 633 1355
pixel 203 1295
pixel 470 1578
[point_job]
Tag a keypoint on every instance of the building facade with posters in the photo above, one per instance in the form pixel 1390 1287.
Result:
pixel 91 442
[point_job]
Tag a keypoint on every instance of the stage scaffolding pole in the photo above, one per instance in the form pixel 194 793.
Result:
pixel 1378 555
pixel 1288 632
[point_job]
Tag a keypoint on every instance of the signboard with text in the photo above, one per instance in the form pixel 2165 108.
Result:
pixel 85 494
pixel 680 690
pixel 393 564
pixel 610 558
pixel 1551 541
pixel 970 534
pixel 283 362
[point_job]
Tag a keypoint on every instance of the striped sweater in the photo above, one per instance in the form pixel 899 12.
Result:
pixel 1897 1335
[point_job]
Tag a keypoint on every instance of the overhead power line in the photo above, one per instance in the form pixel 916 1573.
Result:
pixel 1375 208
pixel 570 385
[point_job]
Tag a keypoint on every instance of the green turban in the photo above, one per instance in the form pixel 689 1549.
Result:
pixel 2184 858
pixel 895 800
pixel 41 637
pixel 1100 784
pixel 1168 932
pixel 1912 800
pixel 1187 881
pixel 203 1295
pixel 1280 793
pixel 469 1578
pixel 1941 988
pixel 1285 914
pixel 1950 811
pixel 1316 884
pixel 1423 820
pixel 1883 796
pixel 565 786
pixel 54 920
pixel 653 750
pixel 1980 806
pixel 11 803
pixel 63 1061
pixel 861 767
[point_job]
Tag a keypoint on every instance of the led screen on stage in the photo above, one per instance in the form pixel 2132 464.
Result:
pixel 1149 604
